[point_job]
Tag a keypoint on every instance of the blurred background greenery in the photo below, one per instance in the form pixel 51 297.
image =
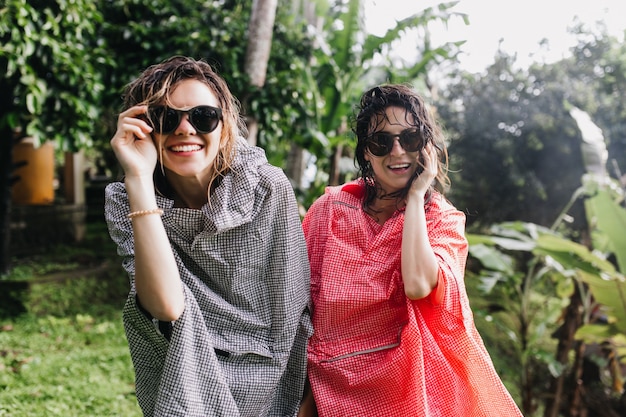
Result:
pixel 536 158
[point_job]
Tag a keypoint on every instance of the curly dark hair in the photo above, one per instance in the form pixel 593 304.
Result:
pixel 371 113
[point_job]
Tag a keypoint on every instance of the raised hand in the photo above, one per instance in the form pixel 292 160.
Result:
pixel 132 143
pixel 430 163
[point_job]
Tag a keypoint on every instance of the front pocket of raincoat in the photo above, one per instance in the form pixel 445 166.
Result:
pixel 360 363
pixel 251 349
pixel 367 369
pixel 361 352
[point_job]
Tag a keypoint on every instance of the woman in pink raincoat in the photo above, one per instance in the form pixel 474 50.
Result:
pixel 393 330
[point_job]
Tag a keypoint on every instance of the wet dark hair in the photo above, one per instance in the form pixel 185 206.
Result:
pixel 371 113
pixel 154 87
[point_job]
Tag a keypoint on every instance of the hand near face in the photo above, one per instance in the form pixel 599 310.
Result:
pixel 425 179
pixel 132 143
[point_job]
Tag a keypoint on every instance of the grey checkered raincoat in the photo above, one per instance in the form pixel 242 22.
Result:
pixel 239 348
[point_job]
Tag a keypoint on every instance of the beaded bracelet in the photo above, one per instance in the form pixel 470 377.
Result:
pixel 140 213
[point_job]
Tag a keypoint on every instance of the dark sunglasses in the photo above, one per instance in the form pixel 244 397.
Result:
pixel 381 143
pixel 165 120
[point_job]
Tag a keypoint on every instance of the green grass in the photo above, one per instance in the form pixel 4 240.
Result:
pixel 65 353
pixel 71 366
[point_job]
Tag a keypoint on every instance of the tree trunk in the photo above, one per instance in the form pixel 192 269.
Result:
pixel 573 319
pixel 296 163
pixel 334 177
pixel 260 29
pixel 6 145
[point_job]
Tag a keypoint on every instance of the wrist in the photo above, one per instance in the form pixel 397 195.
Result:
pixel 141 213
pixel 416 198
pixel 141 193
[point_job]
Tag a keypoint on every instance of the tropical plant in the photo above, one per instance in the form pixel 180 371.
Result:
pixel 53 97
pixel 547 293
pixel 514 148
pixel 513 143
pixel 544 284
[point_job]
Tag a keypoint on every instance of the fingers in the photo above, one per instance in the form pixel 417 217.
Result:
pixel 132 143
pixel 429 158
pixel 131 124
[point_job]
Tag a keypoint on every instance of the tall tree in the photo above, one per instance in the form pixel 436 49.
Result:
pixel 514 147
pixel 260 29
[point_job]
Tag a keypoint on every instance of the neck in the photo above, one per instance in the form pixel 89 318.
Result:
pixel 194 202
pixel 382 209
pixel 189 192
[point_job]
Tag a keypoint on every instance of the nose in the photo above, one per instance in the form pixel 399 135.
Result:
pixel 397 146
pixel 185 127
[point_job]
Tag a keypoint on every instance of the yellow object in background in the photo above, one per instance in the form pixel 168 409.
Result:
pixel 36 178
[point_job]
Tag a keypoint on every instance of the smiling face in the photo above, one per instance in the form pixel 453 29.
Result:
pixel 394 170
pixel 187 153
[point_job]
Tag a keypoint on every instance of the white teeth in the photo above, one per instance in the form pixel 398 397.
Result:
pixel 186 148
pixel 399 166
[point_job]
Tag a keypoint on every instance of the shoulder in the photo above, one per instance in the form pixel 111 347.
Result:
pixel 273 183
pixel 273 176
pixel 252 164
pixel 438 203
pixel 349 193
pixel 114 188
pixel 346 195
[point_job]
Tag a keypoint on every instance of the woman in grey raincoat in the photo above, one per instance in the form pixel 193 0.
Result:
pixel 217 316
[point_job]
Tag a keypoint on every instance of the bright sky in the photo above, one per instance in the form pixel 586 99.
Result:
pixel 521 24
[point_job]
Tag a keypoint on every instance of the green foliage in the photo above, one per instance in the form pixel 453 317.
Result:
pixel 515 149
pixel 41 45
pixel 528 274
pixel 400 69
pixel 283 106
pixel 609 223
pixel 522 297
pixel 215 32
pixel 515 152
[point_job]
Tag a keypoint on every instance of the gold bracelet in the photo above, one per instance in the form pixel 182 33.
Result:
pixel 144 213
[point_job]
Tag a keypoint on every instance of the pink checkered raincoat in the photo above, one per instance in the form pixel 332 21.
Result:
pixel 374 352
